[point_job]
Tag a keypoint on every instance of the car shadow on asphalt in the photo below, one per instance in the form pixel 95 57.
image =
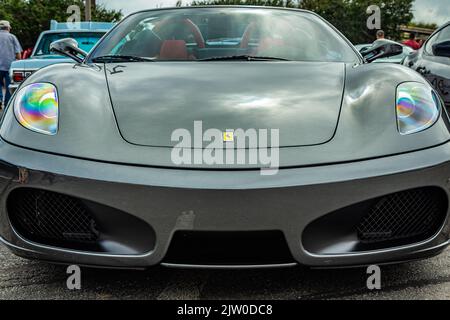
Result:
pixel 22 277
pixel 287 283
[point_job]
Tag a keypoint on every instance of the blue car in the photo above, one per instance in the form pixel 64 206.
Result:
pixel 87 34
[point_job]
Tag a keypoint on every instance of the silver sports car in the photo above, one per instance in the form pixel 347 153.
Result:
pixel 225 137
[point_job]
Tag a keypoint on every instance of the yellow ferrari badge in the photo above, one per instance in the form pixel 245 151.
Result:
pixel 228 136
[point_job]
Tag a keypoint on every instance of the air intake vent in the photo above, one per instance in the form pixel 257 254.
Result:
pixel 409 214
pixel 51 218
pixel 389 221
pixel 229 248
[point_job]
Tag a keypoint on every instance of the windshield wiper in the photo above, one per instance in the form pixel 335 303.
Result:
pixel 244 57
pixel 121 58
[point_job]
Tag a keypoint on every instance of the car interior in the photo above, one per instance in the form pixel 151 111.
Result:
pixel 213 36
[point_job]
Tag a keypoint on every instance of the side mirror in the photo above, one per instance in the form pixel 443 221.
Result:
pixel 382 49
pixel 364 49
pixel 442 49
pixel 68 47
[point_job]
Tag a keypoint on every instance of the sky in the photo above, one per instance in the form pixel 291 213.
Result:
pixel 429 11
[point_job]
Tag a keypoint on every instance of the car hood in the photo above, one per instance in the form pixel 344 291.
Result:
pixel 152 100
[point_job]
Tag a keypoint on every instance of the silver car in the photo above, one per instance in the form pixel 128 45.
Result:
pixel 225 137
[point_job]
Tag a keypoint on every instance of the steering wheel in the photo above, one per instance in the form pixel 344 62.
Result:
pixel 251 28
pixel 247 35
pixel 193 28
pixel 195 32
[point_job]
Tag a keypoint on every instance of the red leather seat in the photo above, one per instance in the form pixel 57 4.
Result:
pixel 269 43
pixel 174 50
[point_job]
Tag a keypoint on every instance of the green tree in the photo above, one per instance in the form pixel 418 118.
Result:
pixel 272 3
pixel 30 17
pixel 432 26
pixel 349 16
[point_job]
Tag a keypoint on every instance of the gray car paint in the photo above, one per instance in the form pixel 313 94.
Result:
pixel 88 128
pixel 223 201
pixel 365 158
pixel 228 96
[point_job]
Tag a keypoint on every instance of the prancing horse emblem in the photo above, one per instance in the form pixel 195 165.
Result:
pixel 228 136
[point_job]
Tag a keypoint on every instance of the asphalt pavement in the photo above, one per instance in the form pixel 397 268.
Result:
pixel 23 279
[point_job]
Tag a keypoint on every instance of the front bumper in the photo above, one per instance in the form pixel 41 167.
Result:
pixel 170 200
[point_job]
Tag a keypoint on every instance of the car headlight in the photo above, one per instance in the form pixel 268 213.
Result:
pixel 418 107
pixel 36 108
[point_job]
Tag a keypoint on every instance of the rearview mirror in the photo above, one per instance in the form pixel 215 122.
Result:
pixel 68 47
pixel 442 49
pixel 382 49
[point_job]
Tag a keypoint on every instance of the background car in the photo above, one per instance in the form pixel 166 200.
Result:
pixel 395 59
pixel 87 35
pixel 433 61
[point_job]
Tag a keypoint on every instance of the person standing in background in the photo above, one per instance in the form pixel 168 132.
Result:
pixel 412 43
pixel 380 35
pixel 10 50
pixel 421 42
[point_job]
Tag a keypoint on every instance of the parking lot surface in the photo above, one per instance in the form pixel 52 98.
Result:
pixel 24 279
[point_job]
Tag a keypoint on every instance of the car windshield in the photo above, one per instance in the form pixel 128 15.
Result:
pixel 444 35
pixel 214 34
pixel 86 41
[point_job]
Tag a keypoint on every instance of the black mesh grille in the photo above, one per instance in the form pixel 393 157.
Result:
pixel 410 214
pixel 50 218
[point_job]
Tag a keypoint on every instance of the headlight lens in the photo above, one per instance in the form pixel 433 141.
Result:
pixel 36 108
pixel 417 107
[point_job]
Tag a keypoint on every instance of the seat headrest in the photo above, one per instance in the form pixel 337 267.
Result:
pixel 174 50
